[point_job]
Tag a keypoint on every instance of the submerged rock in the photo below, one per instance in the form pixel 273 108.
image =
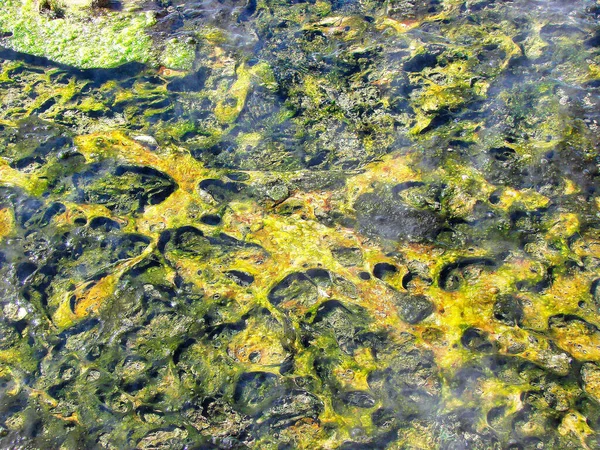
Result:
pixel 413 308
pixel 508 309
pixel 125 189
pixel 378 216
pixel 367 224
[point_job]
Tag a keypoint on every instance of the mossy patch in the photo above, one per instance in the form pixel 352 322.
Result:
pixel 88 40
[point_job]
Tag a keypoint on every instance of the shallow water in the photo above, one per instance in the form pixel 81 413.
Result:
pixel 324 224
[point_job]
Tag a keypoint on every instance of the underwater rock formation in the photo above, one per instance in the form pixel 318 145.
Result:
pixel 309 224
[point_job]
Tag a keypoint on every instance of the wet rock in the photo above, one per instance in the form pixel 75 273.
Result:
pixel 104 224
pixel 384 270
pixel 320 277
pixel 296 288
pixel 256 391
pixel 410 385
pixel 125 189
pixel 276 191
pixel 413 9
pixel 29 211
pixel 502 153
pixel 382 217
pixel 240 278
pixel 24 271
pixel 147 141
pixel 228 243
pixel 218 417
pixel 554 360
pixel 186 239
pixel 346 321
pixel 344 287
pixel 238 176
pixel 33 142
pixel 508 309
pixel 164 439
pixel 419 62
pixel 595 292
pixel 290 408
pixel 190 83
pixel 477 340
pixel 222 192
pixel 359 399
pixel 458 430
pixel 384 418
pixel 452 274
pixel 211 219
pixel 348 256
pixel 310 181
pixel 495 415
pixel 8 336
pixel 413 308
pixel 531 423
pixel 466 380
pixel 511 342
pixel 414 276
pixel 420 195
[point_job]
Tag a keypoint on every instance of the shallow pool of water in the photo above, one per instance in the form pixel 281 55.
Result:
pixel 280 225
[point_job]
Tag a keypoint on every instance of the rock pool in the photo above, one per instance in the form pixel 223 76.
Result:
pixel 322 224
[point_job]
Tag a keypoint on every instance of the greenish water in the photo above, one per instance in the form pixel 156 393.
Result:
pixel 280 225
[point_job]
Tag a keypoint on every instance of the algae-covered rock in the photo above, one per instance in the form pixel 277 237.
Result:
pixel 322 224
pixel 347 324
pixel 124 189
pixel 296 288
pixel 389 219
pixel 409 386
pixel 413 308
pixel 508 309
pixel 590 375
pixel 348 256
pixel 104 41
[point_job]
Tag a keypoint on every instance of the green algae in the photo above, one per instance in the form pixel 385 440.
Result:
pixel 178 55
pixel 106 40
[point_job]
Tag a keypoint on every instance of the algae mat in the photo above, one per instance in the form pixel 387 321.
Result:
pixel 299 224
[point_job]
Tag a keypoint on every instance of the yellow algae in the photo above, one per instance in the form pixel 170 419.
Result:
pixel 257 345
pixel 313 90
pixel 5 74
pixel 13 177
pixel 590 374
pixel 563 226
pixel 574 422
pixel 213 35
pixel 436 97
pixel 529 198
pixel 87 298
pixel 401 26
pixel 231 104
pixel 91 105
pixel 281 288
pixel 7 221
pixel 17 356
pixel 180 165
pixel 264 76
pixel 74 211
